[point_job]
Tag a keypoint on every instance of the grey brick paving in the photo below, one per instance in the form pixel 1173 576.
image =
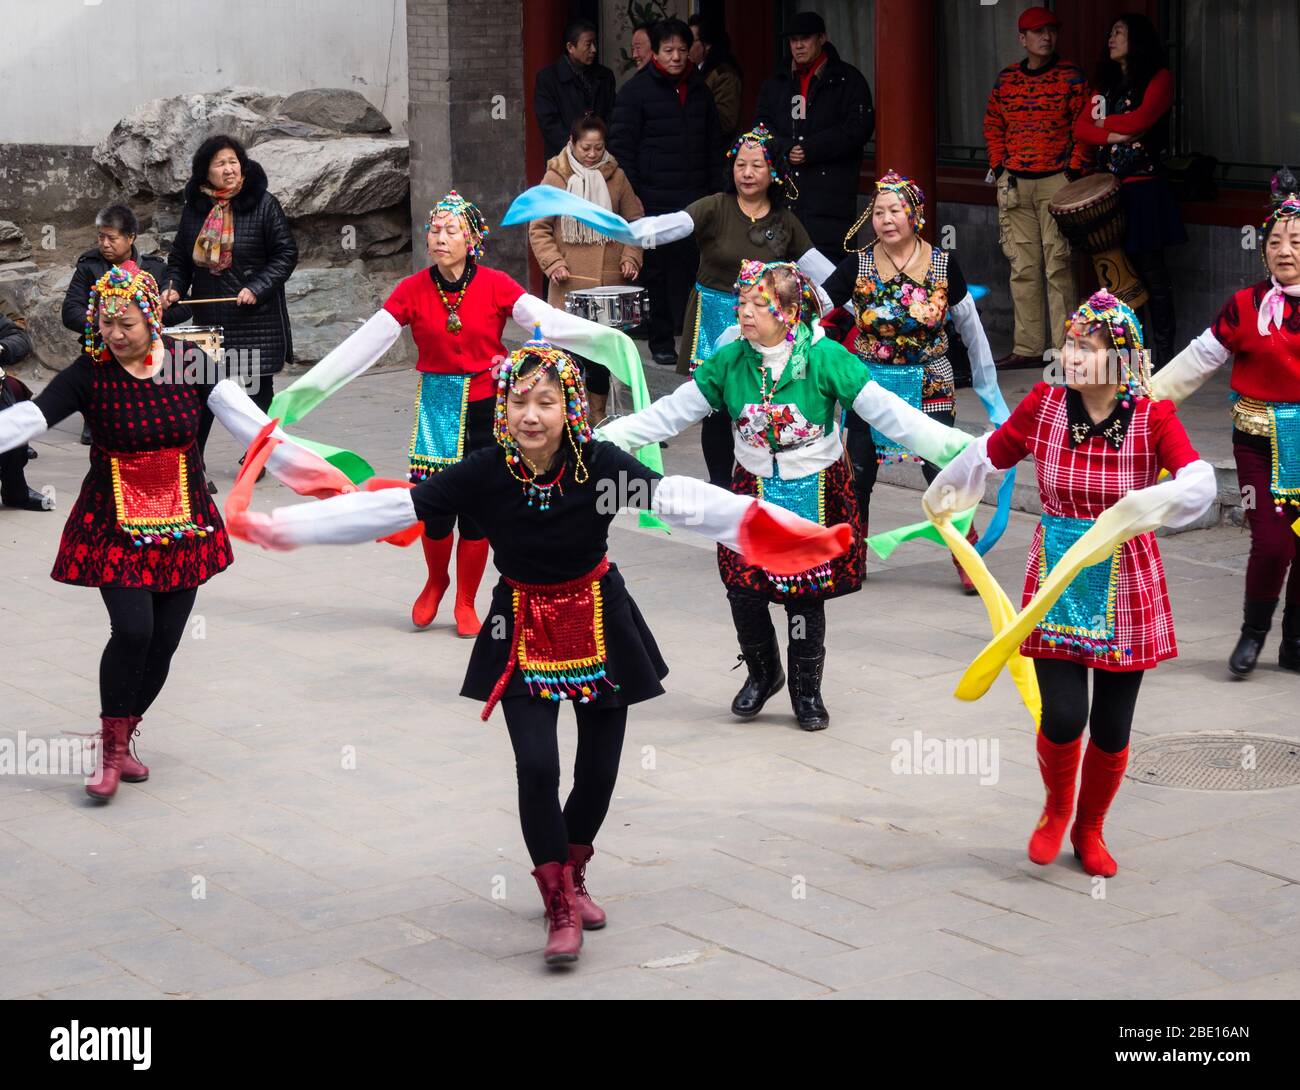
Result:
pixel 739 859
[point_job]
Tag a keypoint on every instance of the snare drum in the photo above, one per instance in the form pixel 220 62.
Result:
pixel 205 337
pixel 621 306
pixel 1090 215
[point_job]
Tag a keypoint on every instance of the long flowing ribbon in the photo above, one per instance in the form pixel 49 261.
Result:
pixel 1113 527
pixel 542 201
pixel 1001 516
pixel 884 544
pixel 1000 610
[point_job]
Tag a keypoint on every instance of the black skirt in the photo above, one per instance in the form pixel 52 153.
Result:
pixel 632 662
pixel 1152 219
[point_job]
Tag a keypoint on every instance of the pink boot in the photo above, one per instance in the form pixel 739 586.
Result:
pixel 593 916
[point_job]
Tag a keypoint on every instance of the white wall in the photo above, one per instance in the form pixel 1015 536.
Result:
pixel 70 69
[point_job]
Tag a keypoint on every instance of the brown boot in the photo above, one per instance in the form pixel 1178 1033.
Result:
pixel 113 734
pixel 564 937
pixel 133 769
pixel 593 916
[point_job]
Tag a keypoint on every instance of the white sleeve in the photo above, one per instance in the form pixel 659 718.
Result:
pixel 697 505
pixel 890 414
pixel 1187 372
pixel 816 265
pixel 561 328
pixel 652 231
pixel 357 353
pixel 21 423
pixel 342 520
pixel 960 484
pixel 1192 490
pixel 984 373
pixel 668 416
pixel 299 468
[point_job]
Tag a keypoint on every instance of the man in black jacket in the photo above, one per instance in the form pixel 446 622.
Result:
pixel 14 491
pixel 820 112
pixel 571 87
pixel 115 227
pixel 667 139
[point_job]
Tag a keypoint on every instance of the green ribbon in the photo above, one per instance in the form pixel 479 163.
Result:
pixel 884 544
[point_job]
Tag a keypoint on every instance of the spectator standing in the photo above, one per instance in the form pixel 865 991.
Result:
pixel 1131 134
pixel 711 54
pixel 819 111
pixel 575 85
pixel 667 139
pixel 1029 131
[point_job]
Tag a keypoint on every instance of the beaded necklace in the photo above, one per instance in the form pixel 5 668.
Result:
pixel 454 324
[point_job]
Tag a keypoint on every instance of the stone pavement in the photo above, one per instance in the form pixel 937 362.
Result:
pixel 326 818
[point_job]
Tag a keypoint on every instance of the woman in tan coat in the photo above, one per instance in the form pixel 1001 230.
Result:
pixel 571 254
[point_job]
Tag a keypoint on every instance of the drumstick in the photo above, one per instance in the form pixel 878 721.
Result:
pixel 224 299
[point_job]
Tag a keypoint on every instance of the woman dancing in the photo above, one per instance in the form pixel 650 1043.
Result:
pixel 545 497
pixel 144 529
pixel 1096 441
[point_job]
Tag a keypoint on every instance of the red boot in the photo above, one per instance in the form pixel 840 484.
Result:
pixel 1059 765
pixel 133 769
pixel 113 734
pixel 966 585
pixel 564 938
pixel 1102 775
pixel 437 554
pixel 471 559
pixel 593 916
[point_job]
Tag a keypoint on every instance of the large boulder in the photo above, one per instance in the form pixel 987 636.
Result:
pixel 351 174
pixel 337 239
pixel 13 243
pixel 326 306
pixel 336 108
pixel 149 150
pixel 36 295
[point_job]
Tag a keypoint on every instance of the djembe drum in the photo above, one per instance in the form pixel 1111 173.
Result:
pixel 1091 217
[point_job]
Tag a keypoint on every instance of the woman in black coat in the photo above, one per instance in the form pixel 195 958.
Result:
pixel 235 240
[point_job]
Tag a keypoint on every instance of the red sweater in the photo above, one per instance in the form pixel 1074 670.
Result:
pixel 485 308
pixel 1265 368
pixel 1030 115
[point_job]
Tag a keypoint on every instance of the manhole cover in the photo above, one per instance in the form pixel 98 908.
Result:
pixel 1216 761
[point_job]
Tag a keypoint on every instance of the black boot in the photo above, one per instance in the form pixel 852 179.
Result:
pixel 1288 655
pixel 1258 620
pixel 806 690
pixel 764 681
pixel 32 501
pixel 85 435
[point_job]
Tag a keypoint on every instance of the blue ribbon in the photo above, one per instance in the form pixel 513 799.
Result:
pixel 542 201
pixel 998 523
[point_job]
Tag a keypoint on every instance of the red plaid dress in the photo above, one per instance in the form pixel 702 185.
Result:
pixel 1082 481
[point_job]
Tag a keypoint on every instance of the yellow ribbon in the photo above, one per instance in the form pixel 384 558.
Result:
pixel 1001 614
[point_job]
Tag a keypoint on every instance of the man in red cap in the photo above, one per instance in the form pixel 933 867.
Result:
pixel 1028 127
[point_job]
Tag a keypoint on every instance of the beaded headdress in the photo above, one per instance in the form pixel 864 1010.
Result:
pixel 475 225
pixel 911 194
pixel 521 371
pixel 752 274
pixel 759 137
pixel 1105 311
pixel 112 293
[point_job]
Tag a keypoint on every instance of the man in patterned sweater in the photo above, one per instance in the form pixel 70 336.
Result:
pixel 1028 127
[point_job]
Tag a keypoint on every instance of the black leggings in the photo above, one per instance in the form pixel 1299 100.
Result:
pixel 862 453
pixel 548 830
pixel 13 476
pixel 719 449
pixel 806 622
pixel 146 630
pixel 1064 686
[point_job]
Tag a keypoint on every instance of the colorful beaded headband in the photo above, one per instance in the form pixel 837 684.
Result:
pixel 1103 310
pixel 759 137
pixel 113 293
pixel 911 194
pixel 1285 209
pixel 752 274
pixel 512 377
pixel 475 225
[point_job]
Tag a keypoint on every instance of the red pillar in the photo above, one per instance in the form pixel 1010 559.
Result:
pixel 904 94
pixel 543 27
